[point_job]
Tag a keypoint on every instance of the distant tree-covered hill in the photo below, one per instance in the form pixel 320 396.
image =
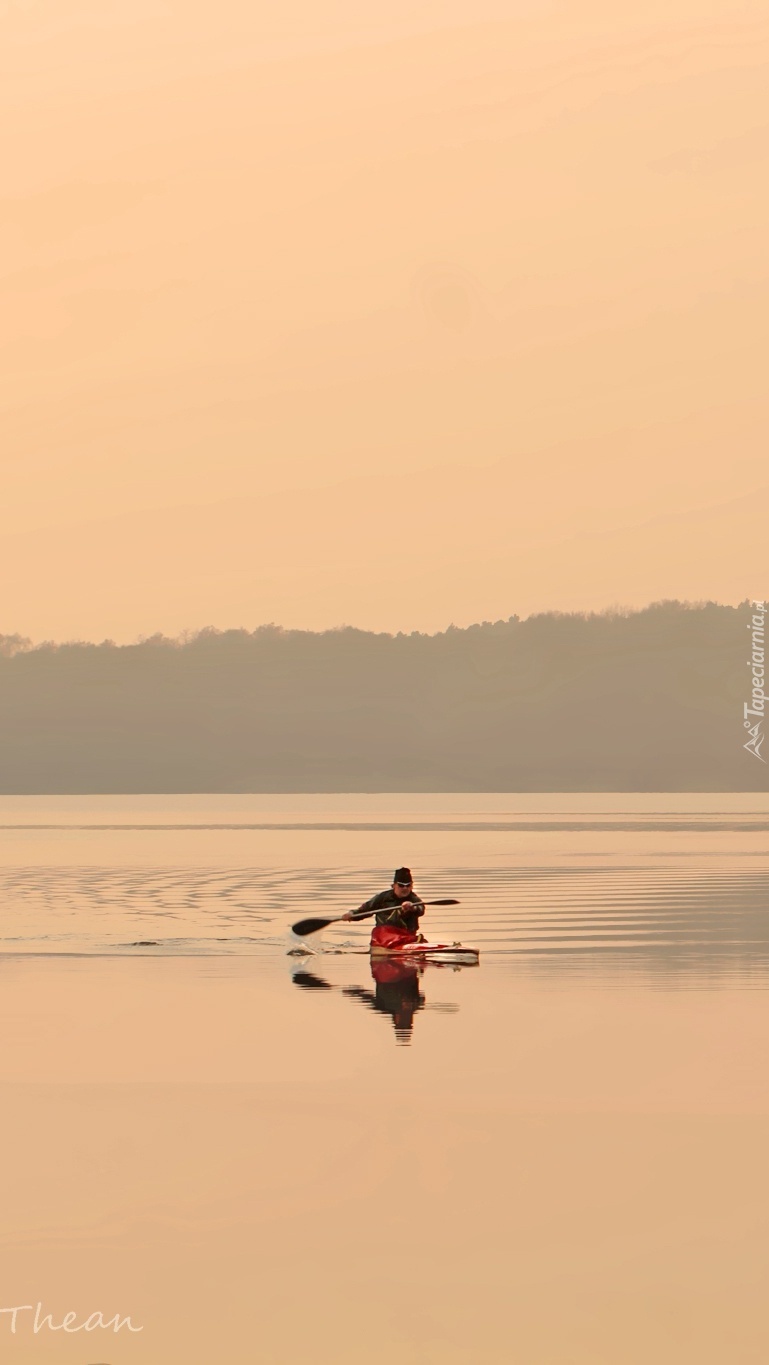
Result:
pixel 618 701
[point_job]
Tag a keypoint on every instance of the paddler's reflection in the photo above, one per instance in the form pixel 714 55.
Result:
pixel 397 992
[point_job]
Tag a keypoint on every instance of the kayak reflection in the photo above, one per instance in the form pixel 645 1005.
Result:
pixel 397 992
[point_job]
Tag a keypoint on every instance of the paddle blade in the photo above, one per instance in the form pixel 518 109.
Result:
pixel 309 926
pixel 443 902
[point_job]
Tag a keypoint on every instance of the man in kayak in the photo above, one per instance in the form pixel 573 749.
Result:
pixel 398 910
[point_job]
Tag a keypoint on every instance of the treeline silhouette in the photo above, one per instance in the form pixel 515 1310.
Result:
pixel 648 700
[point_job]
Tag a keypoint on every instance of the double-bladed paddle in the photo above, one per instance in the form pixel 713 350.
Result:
pixel 311 926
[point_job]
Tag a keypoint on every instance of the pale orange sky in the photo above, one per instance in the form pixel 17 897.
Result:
pixel 449 313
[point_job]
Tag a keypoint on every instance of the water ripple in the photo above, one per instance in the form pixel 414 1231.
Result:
pixel 602 903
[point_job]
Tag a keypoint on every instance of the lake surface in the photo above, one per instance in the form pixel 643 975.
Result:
pixel 556 1157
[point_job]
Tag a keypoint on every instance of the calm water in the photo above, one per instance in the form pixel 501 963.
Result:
pixel 606 885
pixel 557 1156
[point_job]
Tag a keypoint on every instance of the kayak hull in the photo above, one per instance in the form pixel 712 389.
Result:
pixel 431 952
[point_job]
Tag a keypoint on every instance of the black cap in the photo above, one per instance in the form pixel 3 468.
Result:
pixel 403 875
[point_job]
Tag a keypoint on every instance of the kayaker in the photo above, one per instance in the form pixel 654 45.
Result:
pixel 398 911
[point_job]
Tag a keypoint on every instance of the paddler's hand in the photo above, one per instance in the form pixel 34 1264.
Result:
pixel 349 915
pixel 407 905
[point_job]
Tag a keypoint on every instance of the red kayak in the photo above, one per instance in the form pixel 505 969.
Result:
pixel 387 941
pixel 431 952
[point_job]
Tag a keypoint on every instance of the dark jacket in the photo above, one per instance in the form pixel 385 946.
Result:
pixel 388 910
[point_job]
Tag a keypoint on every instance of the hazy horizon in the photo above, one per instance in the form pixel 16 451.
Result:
pixel 643 701
pixel 15 642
